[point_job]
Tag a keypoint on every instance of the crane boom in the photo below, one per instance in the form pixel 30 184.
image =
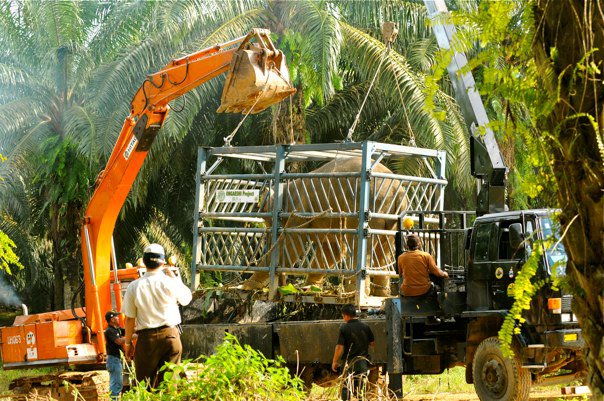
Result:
pixel 487 163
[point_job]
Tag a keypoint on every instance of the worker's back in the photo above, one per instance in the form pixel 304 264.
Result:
pixel 415 267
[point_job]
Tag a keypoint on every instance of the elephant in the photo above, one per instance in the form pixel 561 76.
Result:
pixel 343 198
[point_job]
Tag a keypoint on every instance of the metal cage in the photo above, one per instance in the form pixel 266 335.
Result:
pixel 283 217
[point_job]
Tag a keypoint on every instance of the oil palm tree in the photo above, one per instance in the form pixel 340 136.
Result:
pixel 60 63
pixel 68 70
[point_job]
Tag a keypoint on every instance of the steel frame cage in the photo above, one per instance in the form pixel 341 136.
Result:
pixel 230 209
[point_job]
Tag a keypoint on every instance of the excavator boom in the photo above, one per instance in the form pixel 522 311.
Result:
pixel 258 77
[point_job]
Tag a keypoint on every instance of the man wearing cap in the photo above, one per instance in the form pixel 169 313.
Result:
pixel 151 303
pixel 114 336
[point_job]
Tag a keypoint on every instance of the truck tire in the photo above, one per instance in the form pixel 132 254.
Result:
pixel 499 378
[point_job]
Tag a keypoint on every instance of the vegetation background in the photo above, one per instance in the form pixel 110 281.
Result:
pixel 68 70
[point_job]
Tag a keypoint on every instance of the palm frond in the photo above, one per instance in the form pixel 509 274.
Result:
pixel 410 16
pixel 13 78
pixel 121 25
pixel 404 87
pixel 20 155
pixel 56 24
pixel 80 127
pixel 14 37
pixel 236 26
pixel 421 54
pixel 318 23
pixel 332 122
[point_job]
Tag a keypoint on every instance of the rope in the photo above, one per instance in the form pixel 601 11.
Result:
pixel 358 116
pixel 229 138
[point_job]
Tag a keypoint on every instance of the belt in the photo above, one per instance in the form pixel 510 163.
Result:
pixel 165 326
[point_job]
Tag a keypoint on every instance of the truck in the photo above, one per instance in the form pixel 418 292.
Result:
pixel 548 346
pixel 257 78
pixel 238 229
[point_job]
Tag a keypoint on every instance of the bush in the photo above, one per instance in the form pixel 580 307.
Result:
pixel 233 373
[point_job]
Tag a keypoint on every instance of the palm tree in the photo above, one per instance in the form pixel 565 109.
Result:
pixel 58 67
pixel 68 70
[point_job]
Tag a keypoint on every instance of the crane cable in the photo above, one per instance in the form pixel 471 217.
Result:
pixel 389 32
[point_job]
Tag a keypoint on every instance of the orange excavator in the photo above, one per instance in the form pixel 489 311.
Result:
pixel 257 78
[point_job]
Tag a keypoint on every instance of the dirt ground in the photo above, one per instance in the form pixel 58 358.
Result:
pixel 536 395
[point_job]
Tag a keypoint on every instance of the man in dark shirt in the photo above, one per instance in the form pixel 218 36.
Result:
pixel 114 336
pixel 353 347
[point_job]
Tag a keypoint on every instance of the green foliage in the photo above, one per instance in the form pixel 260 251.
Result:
pixel 450 381
pixel 499 34
pixel 234 373
pixel 525 288
pixel 8 256
pixel 62 177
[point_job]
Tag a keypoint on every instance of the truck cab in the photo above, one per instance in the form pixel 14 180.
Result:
pixel 474 302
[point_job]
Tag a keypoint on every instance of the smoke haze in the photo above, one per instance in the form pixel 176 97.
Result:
pixel 8 295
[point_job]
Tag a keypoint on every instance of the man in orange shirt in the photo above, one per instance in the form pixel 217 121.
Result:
pixel 415 267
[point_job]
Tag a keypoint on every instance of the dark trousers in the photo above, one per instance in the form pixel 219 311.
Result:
pixel 155 347
pixel 353 386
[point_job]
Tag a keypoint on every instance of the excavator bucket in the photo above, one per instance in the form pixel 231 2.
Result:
pixel 258 77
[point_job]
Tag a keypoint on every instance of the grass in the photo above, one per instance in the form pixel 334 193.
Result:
pixel 450 381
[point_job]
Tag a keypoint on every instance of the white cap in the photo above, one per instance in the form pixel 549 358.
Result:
pixel 154 248
pixel 155 252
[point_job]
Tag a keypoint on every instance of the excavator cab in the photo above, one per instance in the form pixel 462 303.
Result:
pixel 258 76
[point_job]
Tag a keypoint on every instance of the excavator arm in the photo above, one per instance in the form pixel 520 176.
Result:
pixel 487 164
pixel 258 78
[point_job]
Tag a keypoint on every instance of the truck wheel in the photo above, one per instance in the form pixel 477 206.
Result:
pixel 499 378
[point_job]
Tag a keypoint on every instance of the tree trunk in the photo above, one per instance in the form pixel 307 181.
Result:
pixel 576 30
pixel 289 125
pixel 65 250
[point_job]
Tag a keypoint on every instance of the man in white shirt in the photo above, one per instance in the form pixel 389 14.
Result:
pixel 151 303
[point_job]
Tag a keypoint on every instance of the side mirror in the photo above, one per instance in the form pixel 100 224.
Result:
pixel 516 239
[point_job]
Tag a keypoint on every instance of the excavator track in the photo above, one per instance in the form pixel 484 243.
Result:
pixel 90 386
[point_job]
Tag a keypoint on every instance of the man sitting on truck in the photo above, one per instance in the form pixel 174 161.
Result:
pixel 415 267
